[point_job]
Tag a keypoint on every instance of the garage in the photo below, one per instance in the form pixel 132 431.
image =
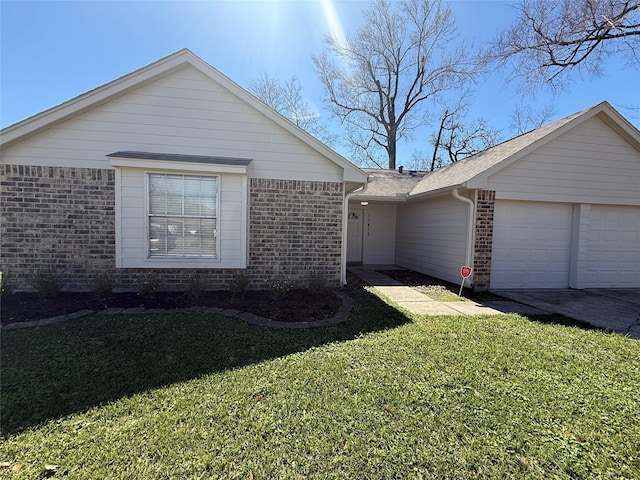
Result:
pixel 555 245
pixel 614 247
pixel 531 245
pixel 557 207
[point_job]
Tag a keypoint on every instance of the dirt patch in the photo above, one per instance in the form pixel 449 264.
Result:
pixel 425 284
pixel 295 306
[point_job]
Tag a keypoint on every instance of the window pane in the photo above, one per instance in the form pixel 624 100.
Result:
pixel 208 236
pixel 175 236
pixel 178 204
pixel 157 194
pixel 191 195
pixel 174 195
pixel 192 236
pixel 157 236
pixel 209 190
pixel 209 186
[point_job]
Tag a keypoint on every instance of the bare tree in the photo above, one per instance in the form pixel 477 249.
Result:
pixel 378 82
pixel 457 138
pixel 552 37
pixel 287 99
pixel 524 118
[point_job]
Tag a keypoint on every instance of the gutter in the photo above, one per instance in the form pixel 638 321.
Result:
pixel 470 230
pixel 438 191
pixel 345 220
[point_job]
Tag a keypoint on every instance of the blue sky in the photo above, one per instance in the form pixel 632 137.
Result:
pixel 53 51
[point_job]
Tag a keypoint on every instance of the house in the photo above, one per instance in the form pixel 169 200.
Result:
pixel 174 171
pixel 558 207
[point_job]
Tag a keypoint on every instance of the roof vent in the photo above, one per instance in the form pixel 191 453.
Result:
pixel 400 169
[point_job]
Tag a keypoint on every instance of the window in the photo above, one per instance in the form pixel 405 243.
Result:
pixel 182 215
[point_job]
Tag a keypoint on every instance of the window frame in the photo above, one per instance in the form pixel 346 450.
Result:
pixel 181 258
pixel 130 213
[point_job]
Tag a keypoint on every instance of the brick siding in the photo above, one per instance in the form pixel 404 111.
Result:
pixel 295 229
pixel 56 219
pixel 483 239
pixel 61 220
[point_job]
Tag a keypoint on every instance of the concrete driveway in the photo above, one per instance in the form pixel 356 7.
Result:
pixel 613 309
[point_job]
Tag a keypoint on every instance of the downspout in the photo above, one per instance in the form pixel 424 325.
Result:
pixel 470 229
pixel 345 221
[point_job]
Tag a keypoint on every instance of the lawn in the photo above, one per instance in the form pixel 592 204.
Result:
pixel 385 396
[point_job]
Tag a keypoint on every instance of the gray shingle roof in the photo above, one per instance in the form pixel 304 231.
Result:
pixel 472 171
pixel 390 184
pixel 461 172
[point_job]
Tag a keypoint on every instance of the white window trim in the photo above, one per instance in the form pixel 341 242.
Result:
pixel 182 168
pixel 178 258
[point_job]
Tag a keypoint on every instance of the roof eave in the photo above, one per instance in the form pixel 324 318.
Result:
pixel 379 198
pixel 439 191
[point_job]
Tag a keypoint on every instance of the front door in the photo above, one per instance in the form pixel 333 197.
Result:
pixel 354 235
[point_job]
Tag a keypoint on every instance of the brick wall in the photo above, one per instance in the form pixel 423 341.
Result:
pixel 56 219
pixel 483 239
pixel 295 229
pixel 61 220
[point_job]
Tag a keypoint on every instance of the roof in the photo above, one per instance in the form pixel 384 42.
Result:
pixel 390 184
pixel 472 172
pixel 176 61
pixel 181 158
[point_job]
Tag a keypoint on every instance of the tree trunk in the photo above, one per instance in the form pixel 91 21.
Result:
pixel 391 150
pixel 438 139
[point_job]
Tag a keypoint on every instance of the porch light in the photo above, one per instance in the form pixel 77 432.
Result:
pixel 364 204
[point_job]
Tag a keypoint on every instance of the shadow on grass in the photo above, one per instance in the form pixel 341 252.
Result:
pixel 557 319
pixel 54 371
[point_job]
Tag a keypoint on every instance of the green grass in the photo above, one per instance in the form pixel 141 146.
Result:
pixel 386 396
pixel 440 293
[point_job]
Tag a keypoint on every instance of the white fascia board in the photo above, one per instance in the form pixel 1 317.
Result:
pixel 178 166
pixel 376 199
pixel 439 191
pixel 619 124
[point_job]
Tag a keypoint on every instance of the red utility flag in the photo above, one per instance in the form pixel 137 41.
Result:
pixel 465 271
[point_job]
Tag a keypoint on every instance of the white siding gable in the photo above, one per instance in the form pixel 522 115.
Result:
pixel 590 163
pixel 184 112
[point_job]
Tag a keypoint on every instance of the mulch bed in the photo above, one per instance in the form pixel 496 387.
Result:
pixel 416 279
pixel 294 306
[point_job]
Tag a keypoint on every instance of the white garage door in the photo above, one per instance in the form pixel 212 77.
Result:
pixel 531 245
pixel 614 247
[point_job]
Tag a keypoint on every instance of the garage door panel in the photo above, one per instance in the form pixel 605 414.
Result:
pixel 613 258
pixel 531 245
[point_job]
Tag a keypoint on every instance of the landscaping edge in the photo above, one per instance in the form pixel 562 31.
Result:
pixel 341 316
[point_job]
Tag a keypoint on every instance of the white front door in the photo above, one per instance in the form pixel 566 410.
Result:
pixel 354 234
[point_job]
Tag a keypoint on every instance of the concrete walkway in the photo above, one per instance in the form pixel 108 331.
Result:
pixel 421 304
